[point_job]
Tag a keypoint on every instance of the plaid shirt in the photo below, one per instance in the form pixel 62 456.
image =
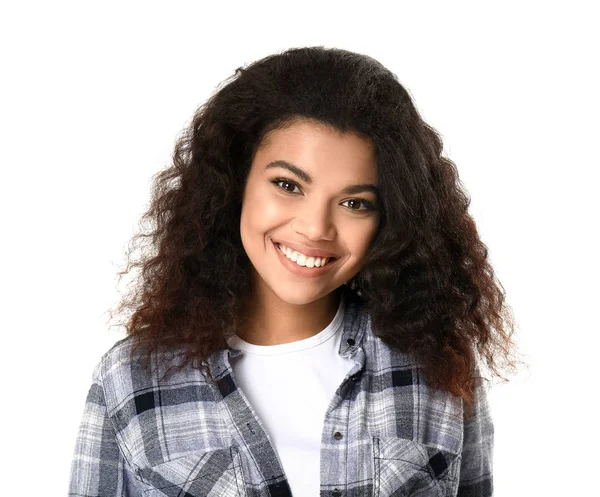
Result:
pixel 385 431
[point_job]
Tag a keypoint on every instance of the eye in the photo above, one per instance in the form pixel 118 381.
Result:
pixel 368 205
pixel 285 182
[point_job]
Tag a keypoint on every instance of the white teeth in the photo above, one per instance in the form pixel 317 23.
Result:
pixel 301 259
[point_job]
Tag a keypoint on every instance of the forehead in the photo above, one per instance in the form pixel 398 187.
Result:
pixel 320 148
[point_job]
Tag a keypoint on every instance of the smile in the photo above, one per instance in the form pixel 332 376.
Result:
pixel 301 265
pixel 301 259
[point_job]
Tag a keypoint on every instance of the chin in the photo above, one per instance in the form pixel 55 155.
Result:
pixel 298 297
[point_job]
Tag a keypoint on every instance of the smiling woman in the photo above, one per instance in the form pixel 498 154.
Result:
pixel 315 308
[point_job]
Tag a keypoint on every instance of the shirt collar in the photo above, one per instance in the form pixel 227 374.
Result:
pixel 356 322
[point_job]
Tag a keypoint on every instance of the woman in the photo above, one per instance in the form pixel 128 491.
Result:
pixel 314 309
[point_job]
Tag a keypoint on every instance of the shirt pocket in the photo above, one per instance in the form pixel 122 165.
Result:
pixel 199 474
pixel 405 468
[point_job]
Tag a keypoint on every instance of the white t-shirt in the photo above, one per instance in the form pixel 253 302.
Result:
pixel 290 387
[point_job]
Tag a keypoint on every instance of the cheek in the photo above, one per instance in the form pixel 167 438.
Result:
pixel 265 207
pixel 359 241
pixel 260 212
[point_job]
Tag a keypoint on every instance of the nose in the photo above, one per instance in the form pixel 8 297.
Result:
pixel 314 222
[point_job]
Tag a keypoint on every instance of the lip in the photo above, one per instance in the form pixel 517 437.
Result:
pixel 308 272
pixel 303 249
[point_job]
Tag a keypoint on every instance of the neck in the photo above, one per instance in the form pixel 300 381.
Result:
pixel 271 321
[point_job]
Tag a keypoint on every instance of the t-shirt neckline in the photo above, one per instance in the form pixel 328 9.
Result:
pixel 236 342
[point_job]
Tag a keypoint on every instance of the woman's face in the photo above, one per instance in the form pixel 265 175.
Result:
pixel 315 208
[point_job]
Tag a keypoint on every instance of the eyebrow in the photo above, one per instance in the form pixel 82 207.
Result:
pixel 304 176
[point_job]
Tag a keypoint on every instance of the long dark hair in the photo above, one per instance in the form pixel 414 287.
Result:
pixel 427 282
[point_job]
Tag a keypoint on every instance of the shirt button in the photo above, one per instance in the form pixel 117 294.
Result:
pixel 336 493
pixel 350 341
pixel 337 435
pixel 355 377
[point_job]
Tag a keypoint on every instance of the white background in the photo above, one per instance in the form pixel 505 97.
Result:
pixel 94 94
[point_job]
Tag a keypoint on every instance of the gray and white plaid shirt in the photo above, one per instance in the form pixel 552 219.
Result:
pixel 385 432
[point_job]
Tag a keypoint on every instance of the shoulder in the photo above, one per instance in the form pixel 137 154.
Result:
pixel 114 359
pixel 127 378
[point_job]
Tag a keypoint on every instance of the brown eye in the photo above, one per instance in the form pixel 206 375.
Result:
pixel 368 206
pixel 287 183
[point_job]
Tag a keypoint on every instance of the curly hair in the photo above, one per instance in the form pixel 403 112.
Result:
pixel 426 282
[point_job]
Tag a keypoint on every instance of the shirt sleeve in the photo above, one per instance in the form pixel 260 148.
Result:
pixel 98 468
pixel 476 478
